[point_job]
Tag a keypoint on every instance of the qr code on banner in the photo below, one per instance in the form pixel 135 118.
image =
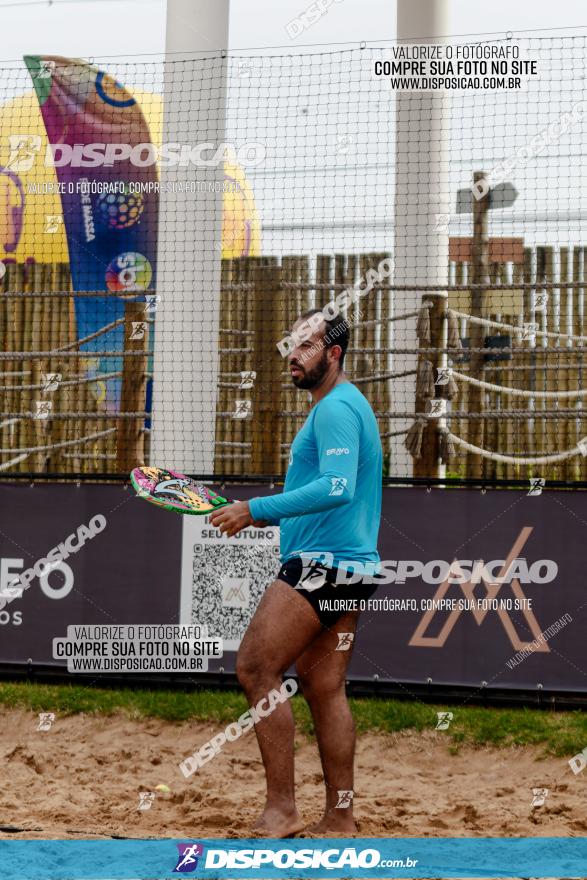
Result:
pixel 227 583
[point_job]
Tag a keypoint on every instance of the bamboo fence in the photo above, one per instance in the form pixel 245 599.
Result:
pixel 542 364
pixel 261 298
pixel 63 427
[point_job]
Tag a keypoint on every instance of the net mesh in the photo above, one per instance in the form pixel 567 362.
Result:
pixel 163 225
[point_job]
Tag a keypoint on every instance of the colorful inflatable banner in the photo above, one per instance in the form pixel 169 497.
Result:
pixel 111 229
pixel 30 195
pixel 74 170
pixel 89 119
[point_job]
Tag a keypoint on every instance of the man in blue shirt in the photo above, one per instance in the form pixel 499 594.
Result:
pixel 328 514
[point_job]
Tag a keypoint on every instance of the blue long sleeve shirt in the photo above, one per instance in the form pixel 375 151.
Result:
pixel 331 501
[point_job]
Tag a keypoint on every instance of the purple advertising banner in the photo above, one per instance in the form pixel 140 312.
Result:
pixel 121 565
pixel 512 613
pixel 483 589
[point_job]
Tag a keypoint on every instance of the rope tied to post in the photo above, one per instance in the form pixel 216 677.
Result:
pixel 423 323
pixel 425 379
pixel 446 447
pixel 413 441
pixel 453 334
pixel 452 440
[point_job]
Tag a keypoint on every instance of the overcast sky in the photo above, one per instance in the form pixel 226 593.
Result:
pixel 305 186
pixel 97 28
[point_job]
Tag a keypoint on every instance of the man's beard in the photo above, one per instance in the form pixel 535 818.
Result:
pixel 311 378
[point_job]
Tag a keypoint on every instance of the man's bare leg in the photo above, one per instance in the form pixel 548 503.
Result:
pixel 322 672
pixel 281 629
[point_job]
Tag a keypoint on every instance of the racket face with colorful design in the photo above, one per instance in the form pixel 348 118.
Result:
pixel 175 491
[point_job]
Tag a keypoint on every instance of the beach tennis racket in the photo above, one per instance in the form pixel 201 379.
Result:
pixel 175 491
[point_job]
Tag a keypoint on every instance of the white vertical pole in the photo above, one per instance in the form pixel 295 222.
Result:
pixel 421 195
pixel 185 369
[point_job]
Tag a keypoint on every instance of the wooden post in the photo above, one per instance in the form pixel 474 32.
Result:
pixel 505 375
pixel 5 365
pixel 8 431
pixel 574 378
pixel 290 274
pixel 429 465
pixel 39 429
pixel 458 426
pixel 365 361
pixel 21 304
pixel 245 362
pixel 268 365
pixel 130 446
pixel 223 463
pixel 580 330
pixel 493 399
pixel 548 427
pixel 288 312
pixel 294 302
pixel 323 275
pixel 562 432
pixel 480 275
pixel 63 333
pixel 529 353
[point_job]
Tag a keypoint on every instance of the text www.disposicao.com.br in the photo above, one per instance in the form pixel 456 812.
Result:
pixel 135 664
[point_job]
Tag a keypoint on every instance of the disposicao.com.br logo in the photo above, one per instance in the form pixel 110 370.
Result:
pixel 25 147
pixel 282 859
pixel 189 855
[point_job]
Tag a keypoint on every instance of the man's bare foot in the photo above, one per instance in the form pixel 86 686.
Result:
pixel 278 823
pixel 334 823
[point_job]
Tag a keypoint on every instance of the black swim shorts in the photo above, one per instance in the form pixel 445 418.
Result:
pixel 317 584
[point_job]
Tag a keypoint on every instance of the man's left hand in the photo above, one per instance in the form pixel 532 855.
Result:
pixel 232 518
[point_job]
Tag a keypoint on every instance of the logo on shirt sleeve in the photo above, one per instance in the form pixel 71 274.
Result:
pixel 338 485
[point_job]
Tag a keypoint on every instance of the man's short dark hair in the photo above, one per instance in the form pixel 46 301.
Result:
pixel 336 333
